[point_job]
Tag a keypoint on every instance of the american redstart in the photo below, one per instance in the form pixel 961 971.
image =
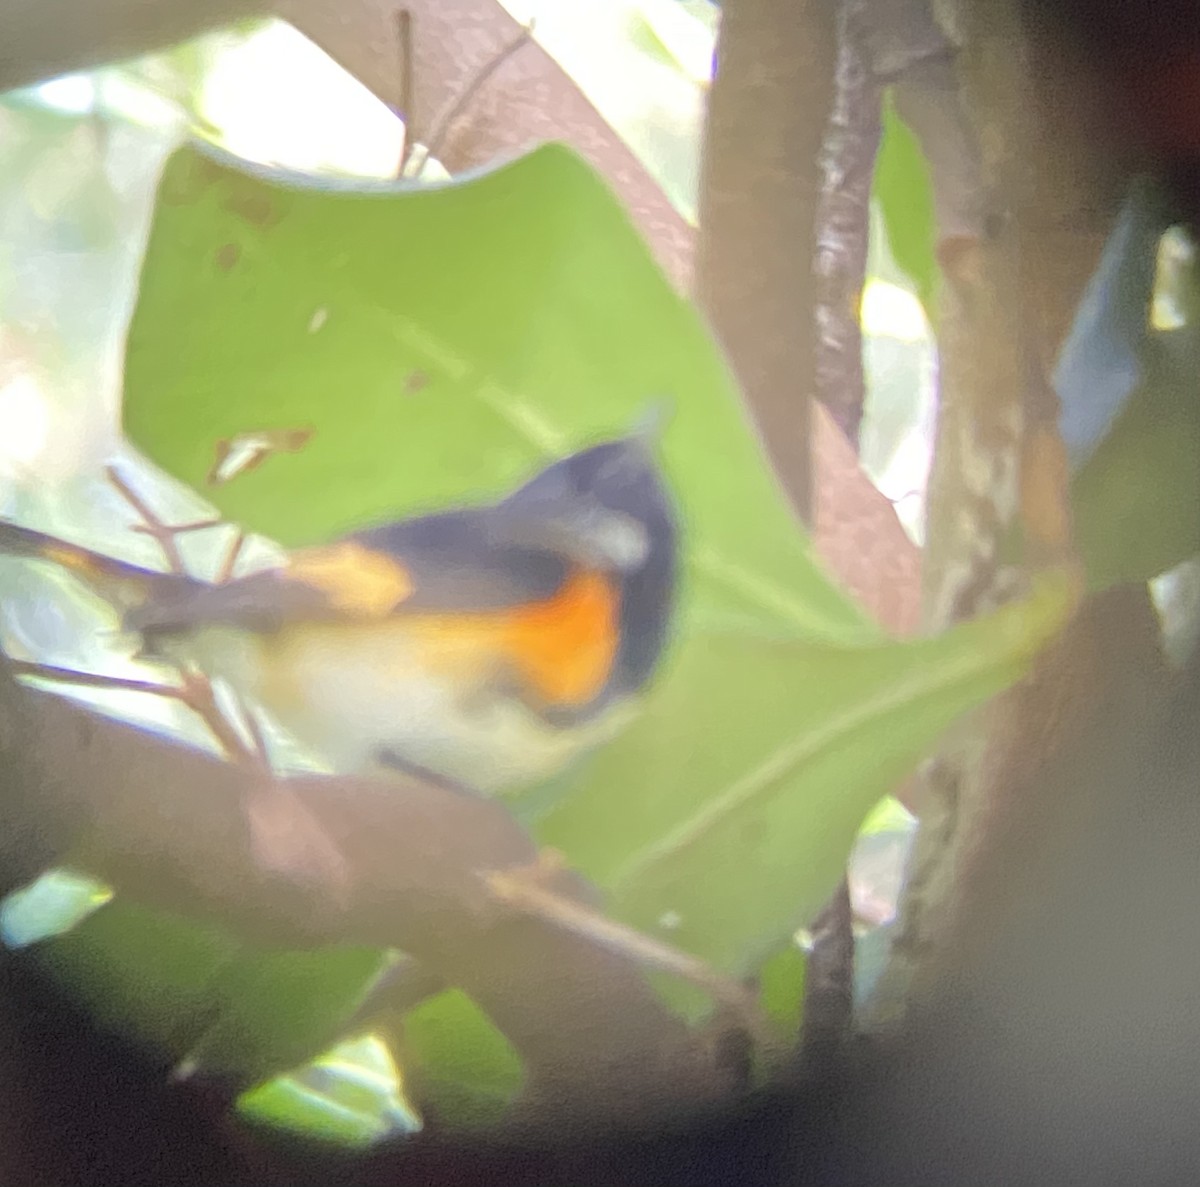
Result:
pixel 490 644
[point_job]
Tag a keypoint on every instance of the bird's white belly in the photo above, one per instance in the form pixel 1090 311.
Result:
pixel 354 695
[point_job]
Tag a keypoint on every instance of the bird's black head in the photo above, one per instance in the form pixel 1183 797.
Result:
pixel 600 490
pixel 613 501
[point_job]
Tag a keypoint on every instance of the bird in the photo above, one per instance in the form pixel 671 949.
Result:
pixel 490 644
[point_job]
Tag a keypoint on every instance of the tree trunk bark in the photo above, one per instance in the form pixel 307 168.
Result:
pixel 760 189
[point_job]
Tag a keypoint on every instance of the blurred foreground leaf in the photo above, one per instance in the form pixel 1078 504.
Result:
pixel 1130 401
pixel 352 1095
pixel 459 1064
pixel 274 1007
pixel 1137 499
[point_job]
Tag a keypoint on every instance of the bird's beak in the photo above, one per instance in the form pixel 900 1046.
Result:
pixel 652 421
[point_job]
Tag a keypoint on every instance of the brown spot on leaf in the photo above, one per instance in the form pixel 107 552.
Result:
pixel 415 381
pixel 183 186
pixel 227 255
pixel 247 451
pixel 256 209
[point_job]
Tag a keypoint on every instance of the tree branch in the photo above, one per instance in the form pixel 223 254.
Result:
pixel 998 461
pixel 45 38
pixel 760 187
pixel 164 824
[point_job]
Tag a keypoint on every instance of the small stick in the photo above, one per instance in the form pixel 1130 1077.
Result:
pixel 151 524
pixel 829 981
pixel 254 729
pixel 404 24
pixel 519 889
pixel 200 697
pixel 515 889
pixel 177 529
pixel 470 89
pixel 225 572
pixel 195 691
pixel 95 680
pixel 285 836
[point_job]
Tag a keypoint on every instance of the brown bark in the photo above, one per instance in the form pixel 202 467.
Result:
pixel 760 189
pixel 1009 295
pixel 528 101
pixel 45 38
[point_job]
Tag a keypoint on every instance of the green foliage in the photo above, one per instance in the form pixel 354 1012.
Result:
pixel 1127 389
pixel 49 906
pixel 443 343
pixel 903 190
pixel 142 972
pixel 888 816
pixel 460 1065
pixel 195 994
pixel 781 989
pixel 1137 498
pixel 679 33
pixel 275 1007
pixel 729 807
pixel 440 344
pixel 352 1096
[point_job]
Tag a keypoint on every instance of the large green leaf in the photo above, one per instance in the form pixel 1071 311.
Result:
pixel 441 343
pixel 194 996
pixel 724 817
pixel 460 1066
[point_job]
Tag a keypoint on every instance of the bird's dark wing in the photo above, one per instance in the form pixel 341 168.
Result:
pixel 474 559
pixel 456 561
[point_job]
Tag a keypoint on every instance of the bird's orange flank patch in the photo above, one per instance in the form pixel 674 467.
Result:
pixel 562 648
pixel 565 646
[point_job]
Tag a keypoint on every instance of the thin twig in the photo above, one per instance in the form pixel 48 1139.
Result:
pixel 470 89
pixel 254 729
pixel 151 524
pixel 285 836
pixel 177 529
pixel 829 981
pixel 520 889
pixel 404 25
pixel 201 698
pixel 195 691
pixel 225 572
pixel 96 680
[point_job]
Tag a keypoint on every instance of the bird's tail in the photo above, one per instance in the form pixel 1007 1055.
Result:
pixel 125 586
